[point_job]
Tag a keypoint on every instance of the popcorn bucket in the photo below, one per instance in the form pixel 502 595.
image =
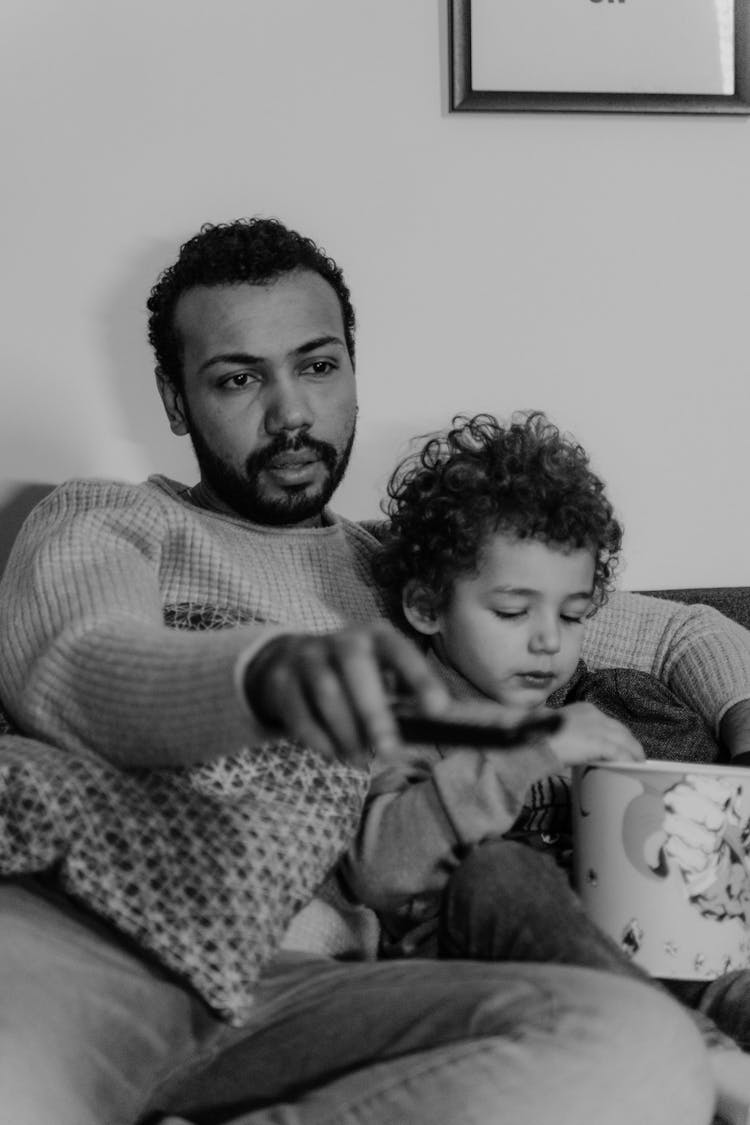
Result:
pixel 661 862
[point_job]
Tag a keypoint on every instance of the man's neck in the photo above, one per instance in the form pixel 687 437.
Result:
pixel 203 496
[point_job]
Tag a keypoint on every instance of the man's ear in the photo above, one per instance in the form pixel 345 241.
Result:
pixel 173 404
pixel 417 603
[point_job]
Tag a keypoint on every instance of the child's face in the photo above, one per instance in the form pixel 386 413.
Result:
pixel 515 628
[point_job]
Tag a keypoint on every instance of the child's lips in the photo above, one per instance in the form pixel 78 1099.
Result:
pixel 536 679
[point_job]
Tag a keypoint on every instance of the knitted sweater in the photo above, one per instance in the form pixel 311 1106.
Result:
pixel 99 576
pixel 111 610
pixel 100 570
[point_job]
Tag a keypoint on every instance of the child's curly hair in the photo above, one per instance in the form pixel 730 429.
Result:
pixel 480 477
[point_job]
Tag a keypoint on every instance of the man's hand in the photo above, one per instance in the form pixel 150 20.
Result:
pixel 331 691
pixel 588 735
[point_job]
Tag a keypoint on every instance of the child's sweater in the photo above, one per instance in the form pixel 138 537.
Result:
pixel 425 810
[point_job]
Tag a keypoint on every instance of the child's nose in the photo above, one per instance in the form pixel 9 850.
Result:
pixel 546 637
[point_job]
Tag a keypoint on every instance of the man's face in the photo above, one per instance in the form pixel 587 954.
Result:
pixel 268 394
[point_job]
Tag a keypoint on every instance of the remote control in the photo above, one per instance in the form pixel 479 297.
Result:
pixel 416 727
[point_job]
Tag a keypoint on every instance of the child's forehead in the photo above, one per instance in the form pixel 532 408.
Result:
pixel 530 562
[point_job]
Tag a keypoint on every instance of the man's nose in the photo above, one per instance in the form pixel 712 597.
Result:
pixel 287 407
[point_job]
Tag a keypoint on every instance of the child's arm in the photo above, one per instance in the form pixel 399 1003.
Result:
pixel 426 808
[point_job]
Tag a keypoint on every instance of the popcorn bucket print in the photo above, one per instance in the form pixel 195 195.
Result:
pixel 661 861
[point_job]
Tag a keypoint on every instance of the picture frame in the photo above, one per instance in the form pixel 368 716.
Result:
pixel 573 56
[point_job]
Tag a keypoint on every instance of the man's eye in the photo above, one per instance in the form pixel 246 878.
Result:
pixel 319 367
pixel 239 379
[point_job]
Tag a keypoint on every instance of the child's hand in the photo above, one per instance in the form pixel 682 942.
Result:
pixel 588 735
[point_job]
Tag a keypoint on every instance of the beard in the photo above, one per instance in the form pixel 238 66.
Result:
pixel 243 490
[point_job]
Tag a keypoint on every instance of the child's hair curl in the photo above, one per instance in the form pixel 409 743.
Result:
pixel 478 477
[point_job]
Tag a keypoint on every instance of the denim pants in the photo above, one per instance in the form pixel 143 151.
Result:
pixel 510 901
pixel 92 1034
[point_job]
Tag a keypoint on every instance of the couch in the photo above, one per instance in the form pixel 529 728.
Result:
pixel 733 601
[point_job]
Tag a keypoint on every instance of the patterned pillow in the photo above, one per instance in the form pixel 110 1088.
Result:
pixel 204 867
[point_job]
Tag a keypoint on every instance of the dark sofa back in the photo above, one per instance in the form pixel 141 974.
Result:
pixel 732 601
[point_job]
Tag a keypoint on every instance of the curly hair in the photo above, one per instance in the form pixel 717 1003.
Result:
pixel 478 478
pixel 255 251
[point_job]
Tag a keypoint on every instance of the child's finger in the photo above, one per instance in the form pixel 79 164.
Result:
pixel 622 743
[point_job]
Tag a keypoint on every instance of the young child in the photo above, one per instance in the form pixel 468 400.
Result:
pixel 501 544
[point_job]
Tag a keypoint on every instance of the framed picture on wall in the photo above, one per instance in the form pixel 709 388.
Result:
pixel 623 56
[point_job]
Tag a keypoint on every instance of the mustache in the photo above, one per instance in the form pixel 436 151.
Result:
pixel 279 445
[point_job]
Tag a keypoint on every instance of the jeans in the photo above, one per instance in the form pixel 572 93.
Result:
pixel 509 901
pixel 725 1000
pixel 93 1034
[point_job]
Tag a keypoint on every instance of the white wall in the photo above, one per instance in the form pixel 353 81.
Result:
pixel 591 265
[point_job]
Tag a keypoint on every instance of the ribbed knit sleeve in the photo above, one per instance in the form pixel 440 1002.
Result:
pixel 701 655
pixel 87 661
pixel 423 811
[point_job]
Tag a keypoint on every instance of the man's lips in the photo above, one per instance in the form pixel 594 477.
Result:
pixel 292 460
pixel 293 469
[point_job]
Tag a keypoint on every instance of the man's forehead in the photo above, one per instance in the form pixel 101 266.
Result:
pixel 286 311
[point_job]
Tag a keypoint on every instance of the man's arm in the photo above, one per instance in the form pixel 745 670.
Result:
pixel 701 655
pixel 89 663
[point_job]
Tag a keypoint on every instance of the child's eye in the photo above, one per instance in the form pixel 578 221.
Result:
pixel 508 615
pixel 571 619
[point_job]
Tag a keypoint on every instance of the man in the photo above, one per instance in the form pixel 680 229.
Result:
pixel 157 636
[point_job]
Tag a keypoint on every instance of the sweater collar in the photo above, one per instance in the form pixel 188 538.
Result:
pixel 458 686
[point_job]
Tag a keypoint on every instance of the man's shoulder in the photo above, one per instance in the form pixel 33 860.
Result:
pixel 93 501
pixel 377 528
pixel 365 535
pixel 623 604
pixel 369 530
pixel 91 492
